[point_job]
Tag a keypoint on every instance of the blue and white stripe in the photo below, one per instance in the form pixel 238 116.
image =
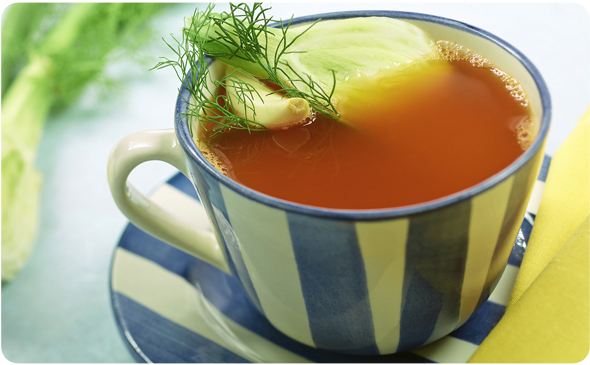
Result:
pixel 307 272
pixel 172 307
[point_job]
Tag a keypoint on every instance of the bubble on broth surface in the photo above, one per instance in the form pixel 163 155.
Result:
pixel 525 133
pixel 526 130
pixel 212 157
pixel 454 52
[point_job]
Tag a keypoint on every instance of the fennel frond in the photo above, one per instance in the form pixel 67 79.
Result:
pixel 243 39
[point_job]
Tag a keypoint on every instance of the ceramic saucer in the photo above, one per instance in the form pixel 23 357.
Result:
pixel 171 307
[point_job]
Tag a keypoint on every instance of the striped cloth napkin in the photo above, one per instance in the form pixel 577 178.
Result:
pixel 547 317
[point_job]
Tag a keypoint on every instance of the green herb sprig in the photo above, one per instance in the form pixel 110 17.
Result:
pixel 242 38
pixel 192 69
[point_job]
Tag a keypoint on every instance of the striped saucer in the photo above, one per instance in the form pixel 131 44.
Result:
pixel 171 307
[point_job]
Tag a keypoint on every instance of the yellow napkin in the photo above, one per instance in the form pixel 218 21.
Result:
pixel 547 318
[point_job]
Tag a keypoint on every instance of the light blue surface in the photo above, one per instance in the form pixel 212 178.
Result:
pixel 58 310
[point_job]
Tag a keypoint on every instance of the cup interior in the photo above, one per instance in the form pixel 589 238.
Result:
pixel 500 53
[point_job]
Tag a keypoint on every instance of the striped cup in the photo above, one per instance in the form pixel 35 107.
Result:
pixel 364 282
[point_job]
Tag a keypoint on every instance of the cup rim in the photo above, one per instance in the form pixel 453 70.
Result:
pixel 184 136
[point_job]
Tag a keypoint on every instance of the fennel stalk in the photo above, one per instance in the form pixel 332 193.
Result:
pixel 48 63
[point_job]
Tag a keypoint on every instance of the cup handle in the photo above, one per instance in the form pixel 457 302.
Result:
pixel 160 145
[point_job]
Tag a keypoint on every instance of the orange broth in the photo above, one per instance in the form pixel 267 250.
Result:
pixel 442 132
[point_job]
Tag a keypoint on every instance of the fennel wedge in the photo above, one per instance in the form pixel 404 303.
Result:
pixel 344 48
pixel 268 108
pixel 306 61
